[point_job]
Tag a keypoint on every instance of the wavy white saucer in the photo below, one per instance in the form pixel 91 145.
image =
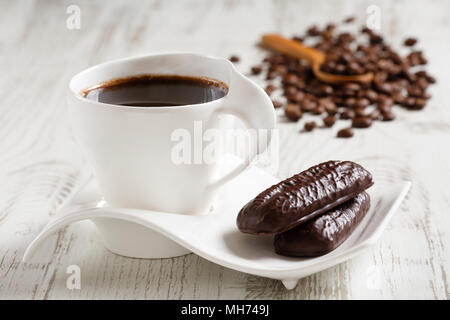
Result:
pixel 215 236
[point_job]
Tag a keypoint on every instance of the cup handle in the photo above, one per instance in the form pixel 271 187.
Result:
pixel 248 102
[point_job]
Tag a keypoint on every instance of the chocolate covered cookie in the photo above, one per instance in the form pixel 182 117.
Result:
pixel 303 197
pixel 325 233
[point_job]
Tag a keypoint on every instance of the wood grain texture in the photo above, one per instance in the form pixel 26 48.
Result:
pixel 40 166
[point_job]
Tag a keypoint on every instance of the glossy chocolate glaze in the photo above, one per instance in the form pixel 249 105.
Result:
pixel 303 197
pixel 325 233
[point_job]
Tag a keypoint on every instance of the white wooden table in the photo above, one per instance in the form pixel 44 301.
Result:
pixel 40 165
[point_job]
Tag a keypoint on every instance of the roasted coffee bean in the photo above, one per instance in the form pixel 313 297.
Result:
pixel 331 109
pixel 398 98
pixel 330 27
pixel 375 39
pixel 349 20
pixel 290 90
pixel 415 92
pixel 409 102
pixel 313 31
pixel 403 83
pixel 352 86
pixel 326 90
pixel 414 103
pixel 345 37
pixel 327 35
pixel 384 102
pixel 325 233
pixel 360 94
pixel 422 83
pixel 308 105
pixel 371 95
pixel 329 121
pixel 256 70
pixel 362 102
pixel 296 97
pixel 271 75
pixel 303 197
pixel 277 104
pixel 347 114
pixel 431 79
pixel 409 42
pixel 337 100
pixel 345 133
pixel 360 112
pixel 361 122
pixel 366 30
pixel 421 73
pixel 234 58
pixel 290 79
pixel 380 77
pixel 340 69
pixel 314 89
pixel 270 88
pixel 279 69
pixel 350 102
pixel 384 87
pixel 416 58
pixel 274 58
pixel 388 116
pixel 375 114
pixel 354 68
pixel 319 109
pixel 310 126
pixel 426 95
pixel 329 105
pixel 293 112
pixel 300 84
pixel 384 108
pixel 420 103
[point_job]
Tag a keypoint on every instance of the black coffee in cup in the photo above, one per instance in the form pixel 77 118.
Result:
pixel 156 91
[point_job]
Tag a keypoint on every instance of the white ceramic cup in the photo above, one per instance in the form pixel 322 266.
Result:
pixel 130 148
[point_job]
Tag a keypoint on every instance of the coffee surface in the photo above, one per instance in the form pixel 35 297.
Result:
pixel 156 91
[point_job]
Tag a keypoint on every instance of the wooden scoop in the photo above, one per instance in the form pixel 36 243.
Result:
pixel 314 57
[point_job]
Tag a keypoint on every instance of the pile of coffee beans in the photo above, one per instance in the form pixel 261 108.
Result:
pixel 398 80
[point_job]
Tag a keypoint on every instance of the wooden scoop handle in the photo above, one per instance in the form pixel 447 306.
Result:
pixel 314 57
pixel 293 48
